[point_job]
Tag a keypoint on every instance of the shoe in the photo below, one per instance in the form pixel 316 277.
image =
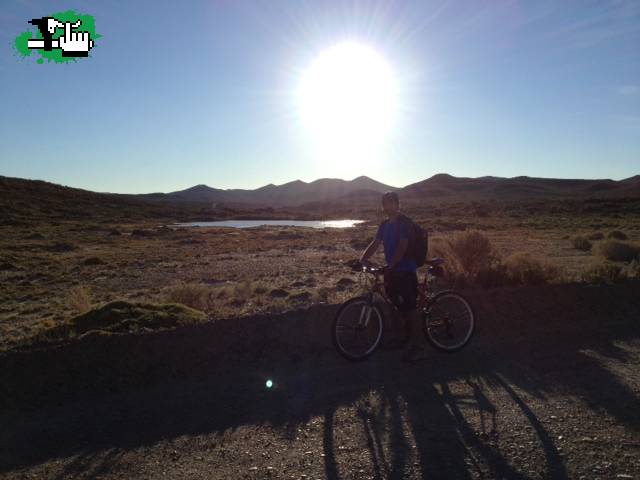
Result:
pixel 414 354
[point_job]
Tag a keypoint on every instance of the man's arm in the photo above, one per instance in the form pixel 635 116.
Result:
pixel 370 250
pixel 403 244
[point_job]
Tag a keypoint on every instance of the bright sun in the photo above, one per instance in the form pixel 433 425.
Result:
pixel 347 101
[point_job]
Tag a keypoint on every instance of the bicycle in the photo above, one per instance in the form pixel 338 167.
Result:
pixel 448 319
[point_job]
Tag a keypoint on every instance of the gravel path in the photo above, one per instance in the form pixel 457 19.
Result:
pixel 531 409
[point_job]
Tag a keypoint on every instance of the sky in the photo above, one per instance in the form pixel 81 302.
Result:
pixel 206 92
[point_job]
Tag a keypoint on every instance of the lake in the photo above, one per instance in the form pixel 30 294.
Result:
pixel 273 223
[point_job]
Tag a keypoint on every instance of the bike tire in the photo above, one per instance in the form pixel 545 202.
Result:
pixel 439 297
pixel 378 318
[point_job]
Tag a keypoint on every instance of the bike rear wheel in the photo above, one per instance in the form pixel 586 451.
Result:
pixel 357 329
pixel 449 322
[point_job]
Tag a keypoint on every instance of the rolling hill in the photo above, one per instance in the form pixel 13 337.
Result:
pixel 23 200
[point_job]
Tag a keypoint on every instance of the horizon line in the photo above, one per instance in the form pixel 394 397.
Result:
pixel 327 178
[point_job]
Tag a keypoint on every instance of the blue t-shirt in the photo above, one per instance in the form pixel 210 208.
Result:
pixel 387 233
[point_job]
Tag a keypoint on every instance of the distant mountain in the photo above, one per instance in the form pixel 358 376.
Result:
pixel 290 194
pixel 443 186
pixel 23 200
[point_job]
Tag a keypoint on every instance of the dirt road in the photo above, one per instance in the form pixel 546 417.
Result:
pixel 549 388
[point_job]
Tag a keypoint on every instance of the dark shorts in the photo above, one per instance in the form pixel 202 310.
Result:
pixel 402 289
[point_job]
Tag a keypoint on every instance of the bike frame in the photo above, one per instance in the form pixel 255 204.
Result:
pixel 377 291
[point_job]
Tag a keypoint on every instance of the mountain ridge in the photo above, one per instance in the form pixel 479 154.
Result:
pixel 440 187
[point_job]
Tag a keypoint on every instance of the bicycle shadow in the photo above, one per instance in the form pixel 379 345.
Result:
pixel 434 419
pixel 429 422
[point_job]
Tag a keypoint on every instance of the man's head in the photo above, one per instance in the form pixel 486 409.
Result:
pixel 390 203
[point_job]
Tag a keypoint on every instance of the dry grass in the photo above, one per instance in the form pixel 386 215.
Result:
pixel 231 273
pixel 580 242
pixel 525 269
pixel 194 295
pixel 473 260
pixel 602 272
pixel 79 299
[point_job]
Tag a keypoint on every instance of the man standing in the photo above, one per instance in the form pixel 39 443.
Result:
pixel 401 279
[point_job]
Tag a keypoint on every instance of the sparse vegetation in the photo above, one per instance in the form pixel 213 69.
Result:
pixel 581 243
pixel 227 273
pixel 602 272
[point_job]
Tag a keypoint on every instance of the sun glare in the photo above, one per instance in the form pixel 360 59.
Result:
pixel 347 101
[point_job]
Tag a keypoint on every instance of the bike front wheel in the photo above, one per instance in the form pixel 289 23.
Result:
pixel 449 322
pixel 357 329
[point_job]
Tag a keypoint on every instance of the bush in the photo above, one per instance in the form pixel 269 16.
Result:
pixel 618 251
pixel 605 272
pixel 469 253
pixel 194 295
pixel 596 236
pixel 617 235
pixel 525 269
pixel 581 243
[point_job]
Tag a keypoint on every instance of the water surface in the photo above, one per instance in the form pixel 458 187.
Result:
pixel 274 223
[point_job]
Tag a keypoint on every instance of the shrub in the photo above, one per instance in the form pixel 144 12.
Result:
pixel 618 251
pixel 194 295
pixel 617 235
pixel 468 253
pixel 79 299
pixel 604 272
pixel 525 269
pixel 581 243
pixel 596 236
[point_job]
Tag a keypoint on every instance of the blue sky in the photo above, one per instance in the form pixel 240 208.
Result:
pixel 182 93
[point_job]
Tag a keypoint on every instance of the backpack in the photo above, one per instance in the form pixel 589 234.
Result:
pixel 418 241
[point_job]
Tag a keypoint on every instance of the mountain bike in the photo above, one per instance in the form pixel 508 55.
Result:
pixel 448 319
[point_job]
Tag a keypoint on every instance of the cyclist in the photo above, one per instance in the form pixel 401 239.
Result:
pixel 401 279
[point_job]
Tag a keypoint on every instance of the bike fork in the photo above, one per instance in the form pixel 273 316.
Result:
pixel 366 313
